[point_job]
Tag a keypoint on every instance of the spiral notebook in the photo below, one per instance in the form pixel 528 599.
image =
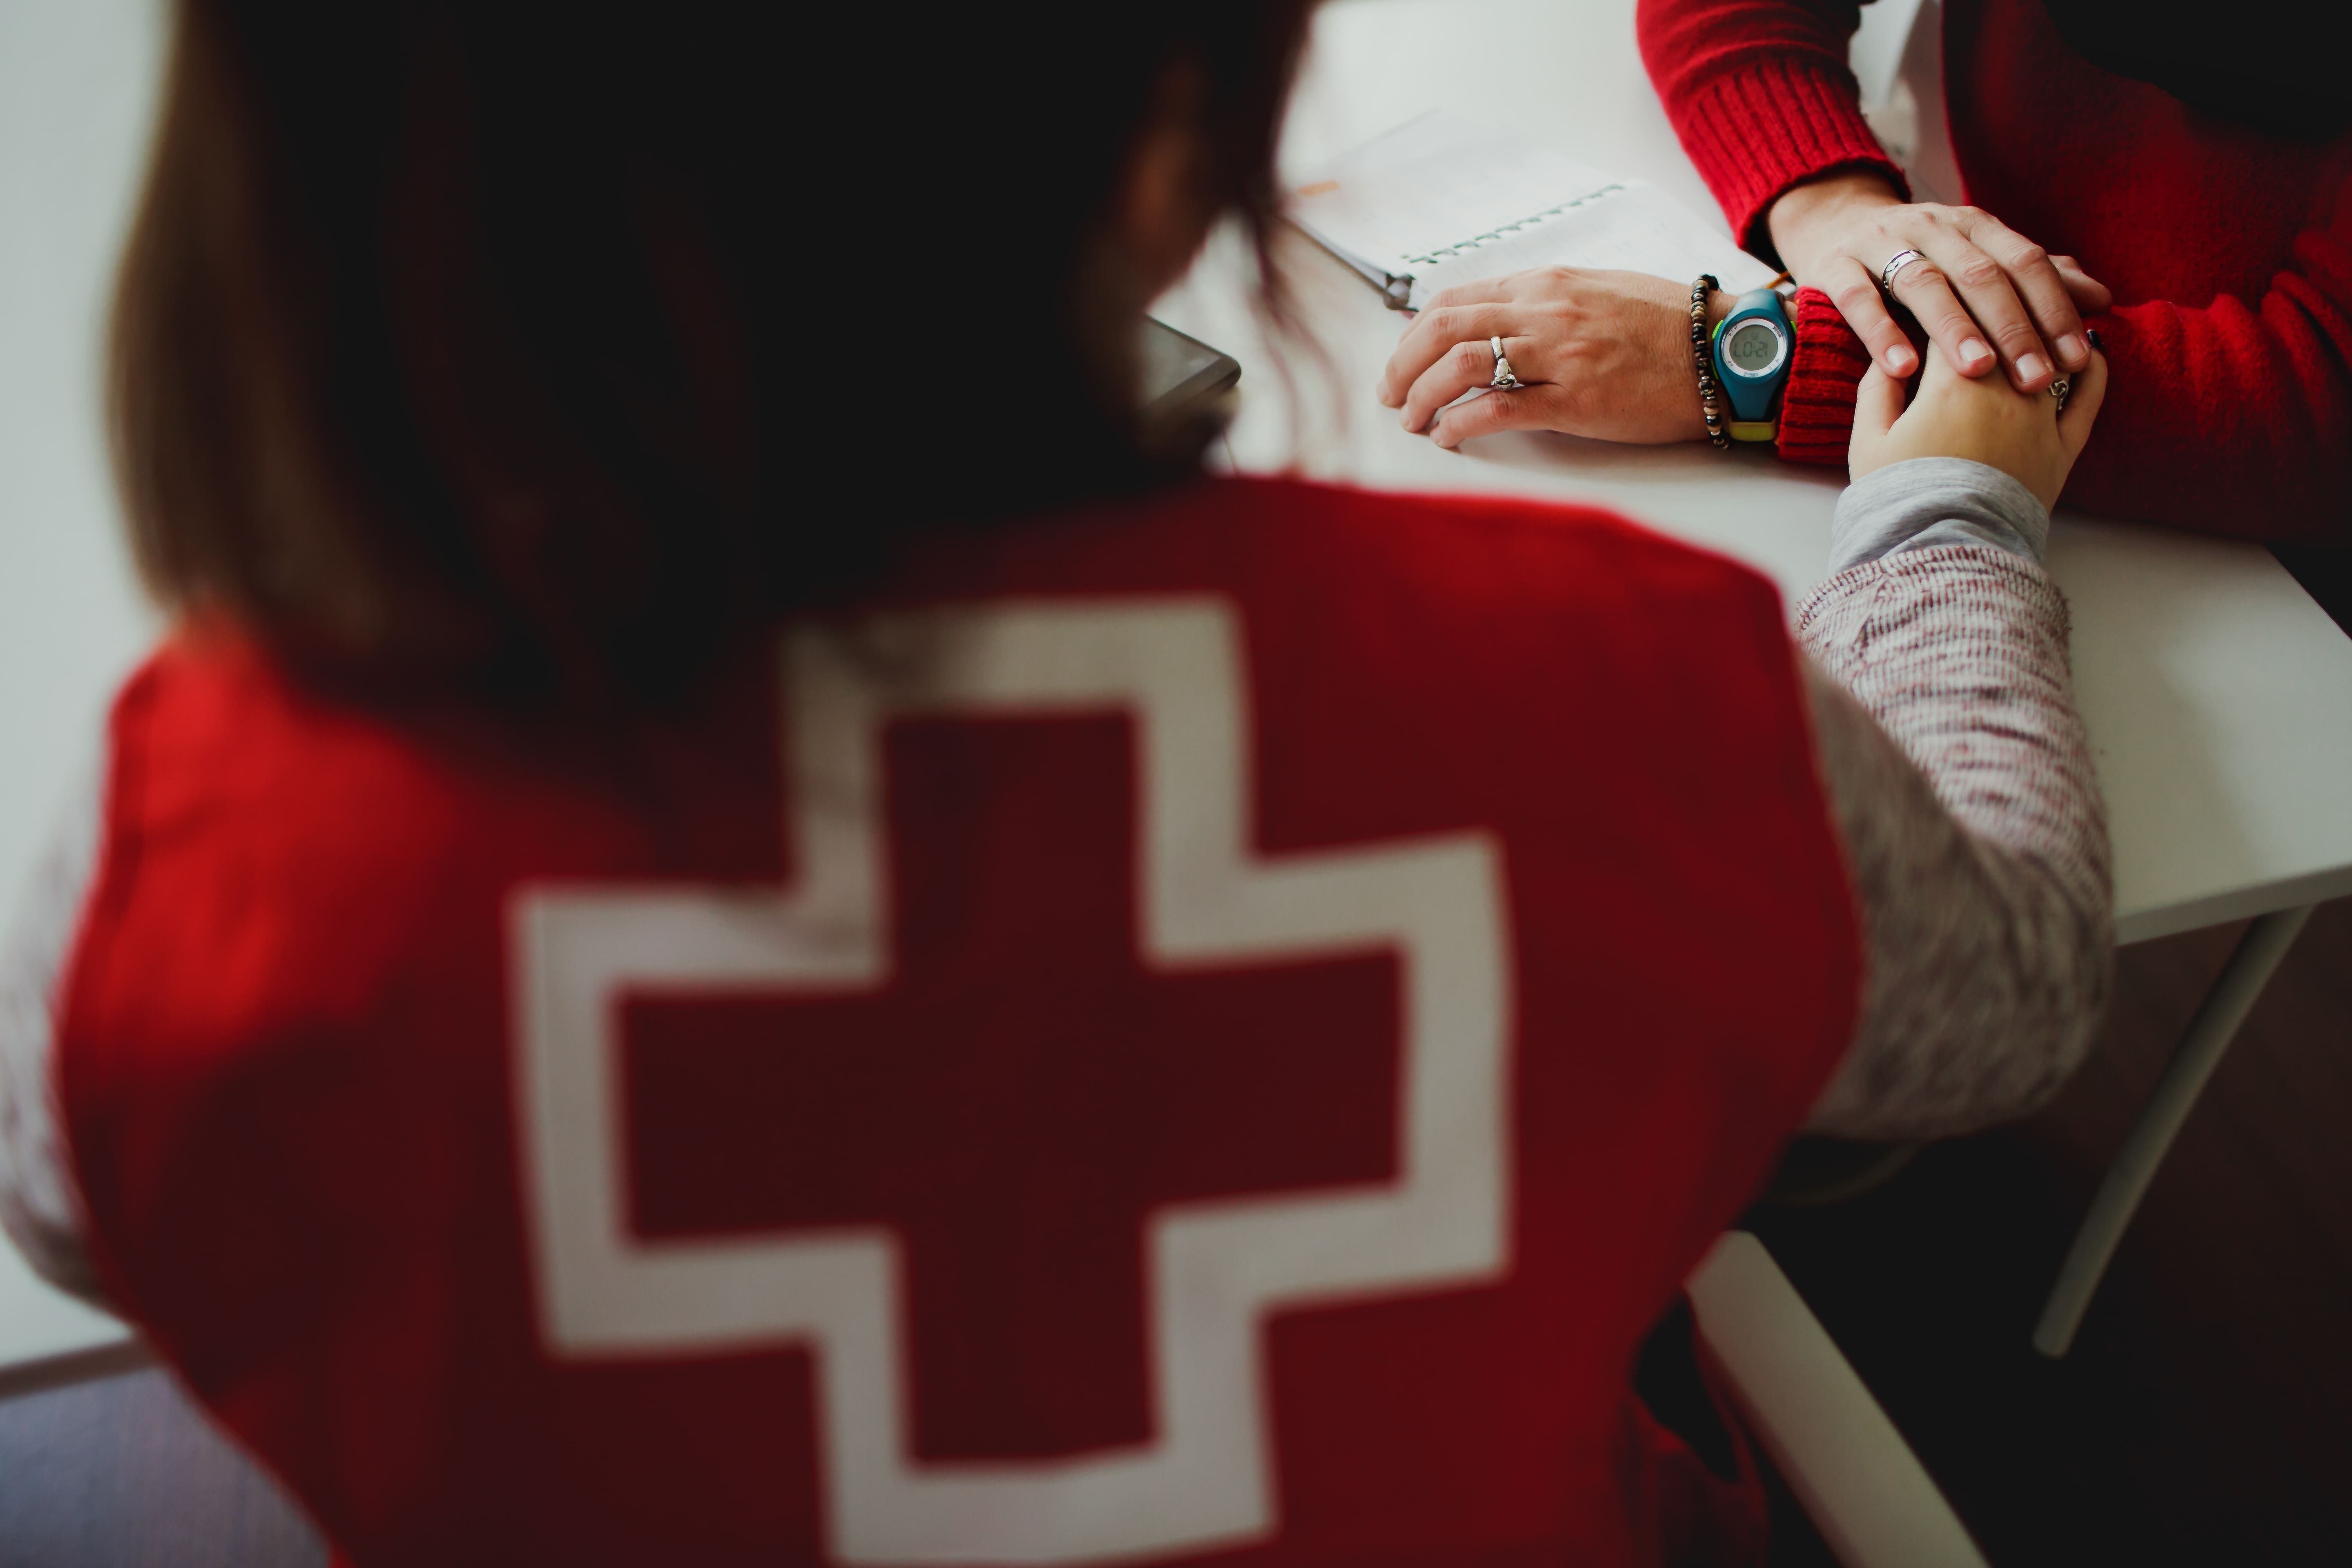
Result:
pixel 1443 200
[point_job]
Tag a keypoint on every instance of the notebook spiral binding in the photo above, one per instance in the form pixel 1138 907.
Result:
pixel 1491 236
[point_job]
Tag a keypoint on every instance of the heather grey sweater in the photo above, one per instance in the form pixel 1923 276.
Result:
pixel 1961 781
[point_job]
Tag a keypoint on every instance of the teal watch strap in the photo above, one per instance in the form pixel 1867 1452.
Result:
pixel 1753 346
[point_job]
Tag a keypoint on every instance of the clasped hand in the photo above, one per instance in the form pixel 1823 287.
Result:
pixel 1607 354
pixel 2032 437
pixel 1976 279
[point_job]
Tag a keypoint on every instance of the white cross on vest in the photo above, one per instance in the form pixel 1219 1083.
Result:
pixel 1204 1479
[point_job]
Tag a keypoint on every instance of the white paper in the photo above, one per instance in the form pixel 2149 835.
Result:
pixel 1401 200
pixel 1443 200
pixel 1630 228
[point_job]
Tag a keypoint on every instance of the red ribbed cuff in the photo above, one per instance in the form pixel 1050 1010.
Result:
pixel 1826 365
pixel 1774 123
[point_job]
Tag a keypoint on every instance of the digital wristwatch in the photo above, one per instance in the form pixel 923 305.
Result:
pixel 1752 348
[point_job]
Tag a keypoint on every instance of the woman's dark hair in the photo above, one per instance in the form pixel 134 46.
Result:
pixel 545 351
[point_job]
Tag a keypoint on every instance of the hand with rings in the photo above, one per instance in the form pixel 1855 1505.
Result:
pixel 1605 355
pixel 1983 294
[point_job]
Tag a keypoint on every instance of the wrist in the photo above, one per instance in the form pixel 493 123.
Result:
pixel 1803 218
pixel 1921 502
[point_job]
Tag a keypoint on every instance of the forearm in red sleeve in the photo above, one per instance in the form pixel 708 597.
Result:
pixel 1760 94
pixel 2231 418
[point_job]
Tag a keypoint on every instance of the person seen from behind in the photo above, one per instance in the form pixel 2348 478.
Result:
pixel 669 963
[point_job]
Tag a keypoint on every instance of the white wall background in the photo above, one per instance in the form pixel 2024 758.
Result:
pixel 77 91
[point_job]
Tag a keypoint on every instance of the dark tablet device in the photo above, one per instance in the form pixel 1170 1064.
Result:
pixel 1181 373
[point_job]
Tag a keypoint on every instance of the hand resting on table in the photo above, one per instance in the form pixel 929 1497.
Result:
pixel 1605 355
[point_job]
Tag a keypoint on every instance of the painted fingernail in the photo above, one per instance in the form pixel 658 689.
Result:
pixel 2071 350
pixel 1973 353
pixel 1901 362
pixel 2093 333
pixel 2031 367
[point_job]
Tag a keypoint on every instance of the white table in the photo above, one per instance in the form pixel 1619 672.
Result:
pixel 2218 695
pixel 2220 699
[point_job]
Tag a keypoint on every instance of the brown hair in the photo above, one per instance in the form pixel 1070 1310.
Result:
pixel 543 353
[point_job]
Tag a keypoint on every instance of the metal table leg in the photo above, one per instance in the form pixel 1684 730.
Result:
pixel 2193 1061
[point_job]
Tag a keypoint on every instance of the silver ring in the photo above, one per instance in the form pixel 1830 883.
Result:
pixel 1895 264
pixel 2059 389
pixel 1503 380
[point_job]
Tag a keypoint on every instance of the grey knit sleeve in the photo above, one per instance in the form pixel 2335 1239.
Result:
pixel 1960 778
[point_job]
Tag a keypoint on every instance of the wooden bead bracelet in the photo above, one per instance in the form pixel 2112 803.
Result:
pixel 1704 360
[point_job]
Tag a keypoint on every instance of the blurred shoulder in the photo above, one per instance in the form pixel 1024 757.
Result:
pixel 261 833
pixel 212 731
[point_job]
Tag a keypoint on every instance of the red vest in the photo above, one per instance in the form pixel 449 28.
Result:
pixel 1205 1030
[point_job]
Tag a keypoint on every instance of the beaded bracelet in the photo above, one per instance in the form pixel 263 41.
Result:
pixel 1704 362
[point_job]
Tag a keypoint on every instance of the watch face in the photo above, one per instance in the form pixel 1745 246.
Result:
pixel 1754 347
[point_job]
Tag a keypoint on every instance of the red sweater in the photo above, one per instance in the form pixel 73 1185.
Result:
pixel 2230 250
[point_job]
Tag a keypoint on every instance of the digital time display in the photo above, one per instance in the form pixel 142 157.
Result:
pixel 1753 347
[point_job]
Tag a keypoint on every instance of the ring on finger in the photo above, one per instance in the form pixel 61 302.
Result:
pixel 1503 380
pixel 1895 264
pixel 2059 389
